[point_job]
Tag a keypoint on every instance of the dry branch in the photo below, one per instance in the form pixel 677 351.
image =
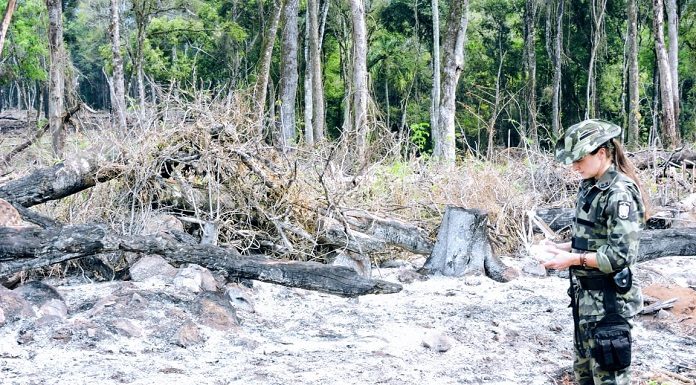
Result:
pixel 33 248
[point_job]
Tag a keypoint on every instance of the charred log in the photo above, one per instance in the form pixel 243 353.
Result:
pixel 34 248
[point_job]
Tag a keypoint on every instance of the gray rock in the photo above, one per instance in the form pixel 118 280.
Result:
pixel 409 276
pixel 358 262
pixel 14 306
pixel 534 268
pixel 151 266
pixel 394 263
pixel 239 298
pixel 161 223
pixel 188 335
pixel 195 279
pixel 437 341
pixel 54 308
pixel 215 311
pixel 126 327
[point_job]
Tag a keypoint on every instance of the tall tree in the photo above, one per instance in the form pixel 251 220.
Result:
pixel 118 100
pixel 289 76
pixel 318 118
pixel 142 10
pixel 435 94
pixel 530 12
pixel 56 86
pixel 9 10
pixel 264 69
pixel 669 129
pixel 556 59
pixel 598 10
pixel 308 88
pixel 453 63
pixel 360 94
pixel 673 55
pixel 632 134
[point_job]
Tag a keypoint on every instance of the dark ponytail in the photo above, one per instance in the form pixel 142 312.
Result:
pixel 624 165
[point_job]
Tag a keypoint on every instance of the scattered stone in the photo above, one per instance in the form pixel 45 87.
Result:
pixel 14 306
pixel 195 279
pixel 663 314
pixel 239 298
pixel 188 335
pixel 126 327
pixel 409 276
pixel 55 308
pixel 395 263
pixel 151 266
pixel 215 311
pixel 437 341
pixel 38 293
pixel 63 334
pixel 533 268
pixel 159 223
pixel 358 262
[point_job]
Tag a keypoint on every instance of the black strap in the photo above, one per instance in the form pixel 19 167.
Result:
pixel 576 315
pixel 589 198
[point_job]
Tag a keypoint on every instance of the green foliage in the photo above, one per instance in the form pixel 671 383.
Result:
pixel 420 137
pixel 26 48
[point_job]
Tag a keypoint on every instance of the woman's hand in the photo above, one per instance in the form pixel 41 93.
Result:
pixel 562 260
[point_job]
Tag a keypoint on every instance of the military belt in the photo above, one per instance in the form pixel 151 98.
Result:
pixel 596 283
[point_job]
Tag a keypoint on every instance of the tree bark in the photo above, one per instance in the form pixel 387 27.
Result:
pixel 264 69
pixel 56 75
pixel 453 57
pixel 118 104
pixel 290 76
pixel 56 182
pixel 557 66
pixel 435 93
pixel 9 10
pixel 669 128
pixel 318 113
pixel 530 13
pixel 633 132
pixel 308 97
pixel 597 22
pixel 33 248
pixel 360 94
pixel 673 56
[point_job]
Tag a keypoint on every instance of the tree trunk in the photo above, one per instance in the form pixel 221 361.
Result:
pixel 118 103
pixel 435 94
pixel 290 76
pixel 597 21
pixel 530 70
pixel 673 55
pixel 360 94
pixel 33 248
pixel 308 97
pixel 633 132
pixel 453 57
pixel 264 69
pixel 56 75
pixel 669 128
pixel 318 117
pixel 463 248
pixel 9 10
pixel 557 65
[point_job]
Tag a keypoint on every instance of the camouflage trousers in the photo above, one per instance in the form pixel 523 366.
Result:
pixel 587 371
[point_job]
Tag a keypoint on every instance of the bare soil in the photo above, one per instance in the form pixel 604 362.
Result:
pixel 513 333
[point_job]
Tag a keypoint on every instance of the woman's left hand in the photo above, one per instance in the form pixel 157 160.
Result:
pixel 562 261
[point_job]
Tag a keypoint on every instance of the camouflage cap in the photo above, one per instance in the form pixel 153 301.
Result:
pixel 583 138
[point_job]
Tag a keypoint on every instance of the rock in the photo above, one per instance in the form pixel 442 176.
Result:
pixel 472 280
pixel 663 315
pixel 239 298
pixel 38 293
pixel 195 279
pixel 394 263
pixel 2 317
pixel 437 341
pixel 159 223
pixel 534 268
pixel 151 266
pixel 358 262
pixel 54 308
pixel 14 306
pixel 126 327
pixel 215 311
pixel 409 276
pixel 188 335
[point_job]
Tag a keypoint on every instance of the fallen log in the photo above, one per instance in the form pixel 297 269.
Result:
pixel 560 218
pixel 56 182
pixel 34 248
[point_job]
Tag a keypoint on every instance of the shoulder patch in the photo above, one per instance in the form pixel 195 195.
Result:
pixel 624 209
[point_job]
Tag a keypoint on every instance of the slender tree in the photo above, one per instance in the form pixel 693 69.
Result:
pixel 318 118
pixel 9 10
pixel 56 87
pixel 308 97
pixel 360 94
pixel 673 56
pixel 453 58
pixel 632 134
pixel 530 12
pixel 598 10
pixel 669 130
pixel 435 97
pixel 118 101
pixel 290 77
pixel 264 68
pixel 557 66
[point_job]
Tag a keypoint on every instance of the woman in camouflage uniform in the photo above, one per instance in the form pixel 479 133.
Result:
pixel 610 214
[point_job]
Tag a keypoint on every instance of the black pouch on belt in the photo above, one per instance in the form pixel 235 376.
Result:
pixel 612 338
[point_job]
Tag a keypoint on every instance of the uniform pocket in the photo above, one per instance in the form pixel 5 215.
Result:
pixel 612 340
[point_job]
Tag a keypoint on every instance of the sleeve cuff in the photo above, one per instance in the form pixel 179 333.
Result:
pixel 603 263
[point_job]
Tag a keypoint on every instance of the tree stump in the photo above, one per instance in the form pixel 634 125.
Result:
pixel 462 244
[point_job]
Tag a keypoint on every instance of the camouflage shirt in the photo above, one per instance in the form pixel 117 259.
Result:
pixel 608 219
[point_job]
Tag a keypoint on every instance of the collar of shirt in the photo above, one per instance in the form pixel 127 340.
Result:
pixel 603 182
